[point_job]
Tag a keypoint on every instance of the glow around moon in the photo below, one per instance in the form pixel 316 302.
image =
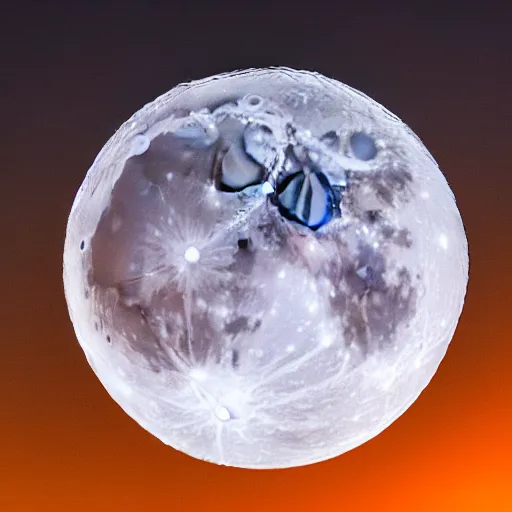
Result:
pixel 264 268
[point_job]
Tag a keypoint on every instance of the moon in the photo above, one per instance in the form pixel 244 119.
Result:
pixel 264 268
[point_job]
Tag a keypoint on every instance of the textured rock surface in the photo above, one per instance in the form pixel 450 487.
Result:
pixel 265 268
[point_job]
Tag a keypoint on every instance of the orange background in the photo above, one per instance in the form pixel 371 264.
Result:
pixel 72 74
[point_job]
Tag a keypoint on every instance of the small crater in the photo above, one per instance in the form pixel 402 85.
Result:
pixel 109 340
pixel 140 144
pixel 82 245
pixel 86 293
pixel 265 129
pixel 363 146
pixel 331 140
pixel 254 101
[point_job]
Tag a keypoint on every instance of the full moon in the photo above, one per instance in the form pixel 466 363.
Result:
pixel 264 268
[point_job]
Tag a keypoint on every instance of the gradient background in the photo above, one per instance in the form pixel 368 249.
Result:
pixel 71 73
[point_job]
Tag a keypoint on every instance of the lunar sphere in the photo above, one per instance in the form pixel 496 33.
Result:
pixel 264 268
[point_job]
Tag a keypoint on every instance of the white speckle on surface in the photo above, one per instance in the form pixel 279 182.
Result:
pixel 282 274
pixel 362 272
pixel 125 388
pixel 313 307
pixel 222 311
pixel 164 333
pixel 327 339
pixel 198 374
pixel 255 352
pixel 424 194
pixel 192 254
pixel 201 303
pixel 267 188
pixel 169 176
pixel 443 241
pixel 290 348
pixel 222 413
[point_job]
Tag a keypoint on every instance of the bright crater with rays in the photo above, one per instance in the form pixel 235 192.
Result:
pixel 265 268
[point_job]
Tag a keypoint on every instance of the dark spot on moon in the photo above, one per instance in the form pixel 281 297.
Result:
pixel 109 340
pixel 257 325
pixel 90 278
pixel 403 238
pixel 82 245
pixel 239 324
pixel 387 231
pixel 235 356
pixel 183 336
pixel 390 183
pixel 243 243
pixel 400 238
pixel 390 186
pixel 143 314
pixel 370 305
pixel 373 216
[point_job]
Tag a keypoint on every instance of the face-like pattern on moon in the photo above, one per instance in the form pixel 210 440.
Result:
pixel 265 268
